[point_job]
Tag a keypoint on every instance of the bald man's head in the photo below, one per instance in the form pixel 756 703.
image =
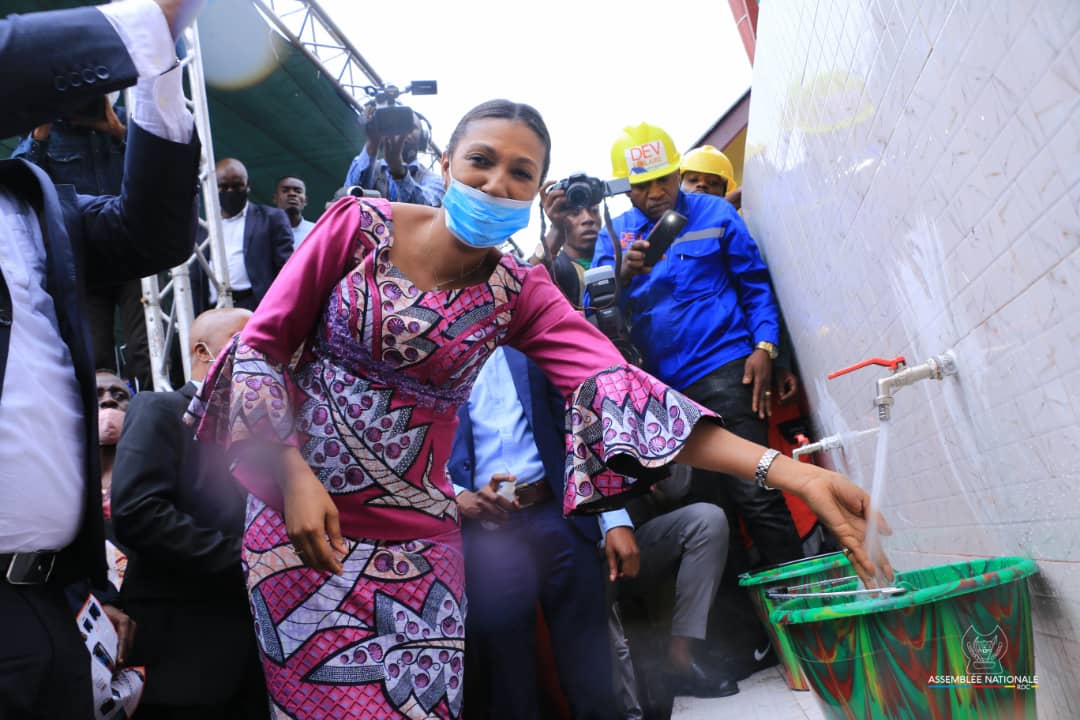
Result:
pixel 231 165
pixel 210 332
pixel 232 185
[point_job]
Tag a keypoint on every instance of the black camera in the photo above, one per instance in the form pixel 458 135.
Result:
pixel 351 190
pixel 583 191
pixel 607 315
pixel 390 117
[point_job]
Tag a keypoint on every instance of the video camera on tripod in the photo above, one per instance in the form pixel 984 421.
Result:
pixel 391 117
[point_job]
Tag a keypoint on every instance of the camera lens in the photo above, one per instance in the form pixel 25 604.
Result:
pixel 578 195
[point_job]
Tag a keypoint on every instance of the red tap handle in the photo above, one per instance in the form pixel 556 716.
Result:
pixel 893 364
pixel 802 440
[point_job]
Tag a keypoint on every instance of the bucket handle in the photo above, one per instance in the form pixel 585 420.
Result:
pixel 885 591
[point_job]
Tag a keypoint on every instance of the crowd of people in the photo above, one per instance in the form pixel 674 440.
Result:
pixel 404 457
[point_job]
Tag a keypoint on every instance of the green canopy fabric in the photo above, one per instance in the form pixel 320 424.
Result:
pixel 292 119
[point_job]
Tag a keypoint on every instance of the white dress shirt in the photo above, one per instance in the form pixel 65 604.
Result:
pixel 300 232
pixel 42 445
pixel 233 230
pixel 42 465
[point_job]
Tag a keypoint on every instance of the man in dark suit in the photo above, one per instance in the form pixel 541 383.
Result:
pixel 258 240
pixel 521 552
pixel 181 516
pixel 51 242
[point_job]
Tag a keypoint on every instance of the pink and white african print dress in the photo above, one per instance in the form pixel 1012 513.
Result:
pixel 372 406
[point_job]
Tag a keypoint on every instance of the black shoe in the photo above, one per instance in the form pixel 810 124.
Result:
pixel 699 682
pixel 763 658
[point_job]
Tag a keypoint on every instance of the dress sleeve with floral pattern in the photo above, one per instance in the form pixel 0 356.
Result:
pixel 623 424
pixel 249 393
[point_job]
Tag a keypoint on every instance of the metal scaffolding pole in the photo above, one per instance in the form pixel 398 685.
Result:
pixel 308 27
pixel 161 326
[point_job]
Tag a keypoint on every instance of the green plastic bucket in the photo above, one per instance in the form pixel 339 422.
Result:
pixel 783 577
pixel 956 644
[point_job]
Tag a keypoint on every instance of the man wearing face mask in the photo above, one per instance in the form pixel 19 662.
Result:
pixel 399 177
pixel 180 515
pixel 258 241
pixel 113 399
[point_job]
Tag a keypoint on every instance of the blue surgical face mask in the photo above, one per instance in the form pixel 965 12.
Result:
pixel 480 220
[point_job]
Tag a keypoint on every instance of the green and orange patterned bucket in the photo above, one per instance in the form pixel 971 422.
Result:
pixel 956 643
pixel 763 584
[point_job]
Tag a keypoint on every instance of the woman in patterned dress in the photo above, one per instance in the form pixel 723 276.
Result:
pixel 338 402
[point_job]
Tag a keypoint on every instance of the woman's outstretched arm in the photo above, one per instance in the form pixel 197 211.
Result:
pixel 840 504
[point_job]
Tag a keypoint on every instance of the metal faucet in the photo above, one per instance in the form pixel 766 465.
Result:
pixel 936 368
pixel 826 443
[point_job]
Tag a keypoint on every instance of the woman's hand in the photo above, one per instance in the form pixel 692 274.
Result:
pixel 844 507
pixel 311 518
pixel 841 505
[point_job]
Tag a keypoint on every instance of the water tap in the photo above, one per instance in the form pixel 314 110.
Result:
pixel 936 368
pixel 826 443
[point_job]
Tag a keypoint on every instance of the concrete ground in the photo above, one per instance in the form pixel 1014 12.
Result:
pixel 762 696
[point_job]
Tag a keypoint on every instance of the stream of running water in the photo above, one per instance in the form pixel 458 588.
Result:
pixel 877 494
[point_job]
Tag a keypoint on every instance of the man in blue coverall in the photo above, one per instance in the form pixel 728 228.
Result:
pixel 704 316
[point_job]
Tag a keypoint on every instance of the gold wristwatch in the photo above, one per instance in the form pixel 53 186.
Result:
pixel 774 352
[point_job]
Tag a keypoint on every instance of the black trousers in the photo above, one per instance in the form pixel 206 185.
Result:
pixel 245 299
pixel 248 703
pixel 764 511
pixel 44 665
pixel 101 305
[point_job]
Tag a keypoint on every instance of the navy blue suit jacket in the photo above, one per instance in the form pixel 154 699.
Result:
pixel 150 226
pixel 53 62
pixel 545 412
pixel 268 243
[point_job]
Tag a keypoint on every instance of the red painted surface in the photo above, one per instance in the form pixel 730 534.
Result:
pixel 804 517
pixel 746 12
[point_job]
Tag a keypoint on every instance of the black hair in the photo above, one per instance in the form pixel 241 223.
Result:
pixel 286 177
pixel 506 110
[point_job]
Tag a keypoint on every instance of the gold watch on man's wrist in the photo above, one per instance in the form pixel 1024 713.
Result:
pixel 774 352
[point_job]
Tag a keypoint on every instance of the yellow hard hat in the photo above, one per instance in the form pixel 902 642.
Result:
pixel 707 159
pixel 643 153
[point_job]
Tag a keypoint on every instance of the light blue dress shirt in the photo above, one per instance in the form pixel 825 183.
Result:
pixel 502 440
